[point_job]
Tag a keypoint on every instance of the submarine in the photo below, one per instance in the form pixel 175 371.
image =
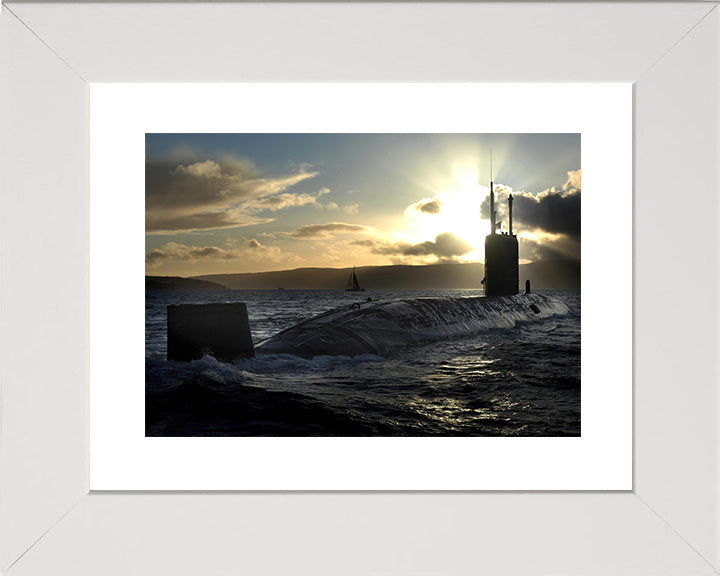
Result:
pixel 377 327
pixel 372 327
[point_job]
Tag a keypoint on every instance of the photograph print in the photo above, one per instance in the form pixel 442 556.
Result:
pixel 362 285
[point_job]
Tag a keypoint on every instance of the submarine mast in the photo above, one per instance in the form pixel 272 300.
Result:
pixel 492 198
pixel 510 202
pixel 501 252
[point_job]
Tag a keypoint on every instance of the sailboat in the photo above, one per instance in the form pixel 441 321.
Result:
pixel 352 284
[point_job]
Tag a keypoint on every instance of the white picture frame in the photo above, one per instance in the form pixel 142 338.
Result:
pixel 49 523
pixel 122 458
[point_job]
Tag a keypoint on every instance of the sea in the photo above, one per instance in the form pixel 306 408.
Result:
pixel 519 381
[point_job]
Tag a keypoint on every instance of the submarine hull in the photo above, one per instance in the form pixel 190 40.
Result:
pixel 378 327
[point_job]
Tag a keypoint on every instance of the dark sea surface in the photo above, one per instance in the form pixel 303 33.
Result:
pixel 520 381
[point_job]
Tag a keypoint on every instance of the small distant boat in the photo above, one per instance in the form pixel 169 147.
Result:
pixel 352 283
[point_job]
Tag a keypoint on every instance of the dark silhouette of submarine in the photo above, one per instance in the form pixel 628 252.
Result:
pixel 372 327
pixel 377 327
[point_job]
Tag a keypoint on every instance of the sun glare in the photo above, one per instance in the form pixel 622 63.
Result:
pixel 454 209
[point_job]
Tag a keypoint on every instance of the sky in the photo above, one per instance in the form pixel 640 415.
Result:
pixel 234 203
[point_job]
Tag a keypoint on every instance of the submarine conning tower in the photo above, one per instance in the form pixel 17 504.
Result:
pixel 501 255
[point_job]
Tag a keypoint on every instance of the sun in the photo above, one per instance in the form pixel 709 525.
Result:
pixel 454 209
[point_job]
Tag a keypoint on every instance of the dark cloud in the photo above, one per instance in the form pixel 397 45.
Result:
pixel 446 246
pixel 554 211
pixel 430 207
pixel 427 206
pixel 557 248
pixel 325 230
pixel 207 194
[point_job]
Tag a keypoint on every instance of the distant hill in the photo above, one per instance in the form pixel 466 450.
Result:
pixel 178 283
pixel 546 275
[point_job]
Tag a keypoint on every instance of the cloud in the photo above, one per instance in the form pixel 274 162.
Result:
pixel 551 211
pixel 447 246
pixel 326 230
pixel 427 206
pixel 174 252
pixel 556 211
pixel 351 208
pixel 282 201
pixel 202 221
pixel 207 169
pixel 216 193
pixel 552 248
pixel 573 181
